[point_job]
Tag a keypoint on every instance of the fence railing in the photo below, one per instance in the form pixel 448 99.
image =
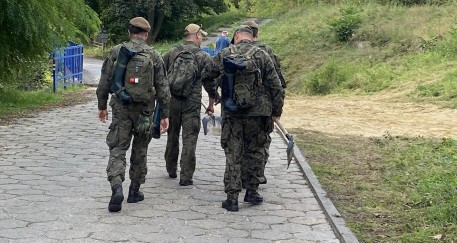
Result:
pixel 67 66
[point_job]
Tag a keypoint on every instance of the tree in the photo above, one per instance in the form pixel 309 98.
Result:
pixel 116 14
pixel 30 29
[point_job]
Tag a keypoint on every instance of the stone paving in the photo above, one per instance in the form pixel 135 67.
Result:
pixel 53 188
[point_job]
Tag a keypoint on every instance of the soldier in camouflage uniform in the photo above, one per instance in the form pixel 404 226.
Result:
pixel 126 116
pixel 245 133
pixel 269 50
pixel 185 111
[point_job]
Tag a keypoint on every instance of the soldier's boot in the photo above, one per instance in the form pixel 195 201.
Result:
pixel 115 204
pixel 231 204
pixel 135 195
pixel 252 196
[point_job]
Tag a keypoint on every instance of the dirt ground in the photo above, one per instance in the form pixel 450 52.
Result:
pixel 368 116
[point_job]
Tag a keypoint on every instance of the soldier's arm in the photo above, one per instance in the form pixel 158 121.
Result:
pixel 277 64
pixel 209 74
pixel 161 86
pixel 105 78
pixel 166 59
pixel 274 87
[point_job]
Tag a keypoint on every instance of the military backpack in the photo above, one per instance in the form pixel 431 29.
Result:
pixel 183 71
pixel 139 76
pixel 247 82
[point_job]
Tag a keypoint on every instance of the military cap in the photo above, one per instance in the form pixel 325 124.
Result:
pixel 194 29
pixel 141 23
pixel 242 28
pixel 251 24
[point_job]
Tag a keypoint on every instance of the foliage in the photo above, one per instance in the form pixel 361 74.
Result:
pixel 326 79
pixel 29 30
pixel 346 25
pixel 398 190
pixel 164 16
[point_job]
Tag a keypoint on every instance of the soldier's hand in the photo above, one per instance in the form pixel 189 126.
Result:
pixel 103 115
pixel 163 125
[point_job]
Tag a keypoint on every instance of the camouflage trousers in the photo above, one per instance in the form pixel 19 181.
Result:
pixel 244 175
pixel 243 140
pixel 184 114
pixel 122 130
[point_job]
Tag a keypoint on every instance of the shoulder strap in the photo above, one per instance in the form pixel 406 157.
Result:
pixel 252 51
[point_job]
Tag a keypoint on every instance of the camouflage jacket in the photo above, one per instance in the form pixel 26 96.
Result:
pixel 275 59
pixel 160 79
pixel 206 67
pixel 271 102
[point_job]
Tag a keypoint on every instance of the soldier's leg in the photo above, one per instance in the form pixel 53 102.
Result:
pixel 118 141
pixel 172 149
pixel 255 138
pixel 231 142
pixel 138 164
pixel 269 127
pixel 190 128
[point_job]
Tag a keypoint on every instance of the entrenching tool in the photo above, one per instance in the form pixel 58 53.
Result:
pixel 290 141
pixel 211 117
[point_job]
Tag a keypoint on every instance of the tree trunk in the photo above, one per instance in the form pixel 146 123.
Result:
pixel 157 26
pixel 151 19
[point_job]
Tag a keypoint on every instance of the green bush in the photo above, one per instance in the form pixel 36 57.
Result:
pixel 345 26
pixel 326 79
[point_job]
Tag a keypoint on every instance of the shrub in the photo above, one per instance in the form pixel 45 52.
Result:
pixel 346 24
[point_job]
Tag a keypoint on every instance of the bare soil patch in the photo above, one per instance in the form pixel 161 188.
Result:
pixel 369 116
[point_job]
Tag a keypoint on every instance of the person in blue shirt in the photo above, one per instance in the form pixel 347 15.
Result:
pixel 222 41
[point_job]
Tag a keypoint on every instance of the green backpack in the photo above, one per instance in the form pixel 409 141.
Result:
pixel 247 82
pixel 183 71
pixel 139 76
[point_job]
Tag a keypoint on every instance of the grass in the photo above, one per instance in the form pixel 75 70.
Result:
pixel 14 101
pixel 394 48
pixel 391 189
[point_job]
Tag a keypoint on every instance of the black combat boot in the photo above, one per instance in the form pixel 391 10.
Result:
pixel 231 205
pixel 253 197
pixel 135 195
pixel 115 204
pixel 186 182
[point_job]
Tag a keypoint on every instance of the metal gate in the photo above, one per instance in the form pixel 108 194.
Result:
pixel 67 66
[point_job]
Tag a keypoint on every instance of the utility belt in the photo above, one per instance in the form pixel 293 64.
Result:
pixel 137 106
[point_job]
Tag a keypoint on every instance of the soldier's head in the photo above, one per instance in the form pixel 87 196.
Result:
pixel 243 32
pixel 254 27
pixel 194 33
pixel 139 27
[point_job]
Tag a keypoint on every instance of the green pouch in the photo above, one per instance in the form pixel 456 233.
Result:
pixel 144 124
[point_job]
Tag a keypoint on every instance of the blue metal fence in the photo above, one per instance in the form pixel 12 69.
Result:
pixel 67 66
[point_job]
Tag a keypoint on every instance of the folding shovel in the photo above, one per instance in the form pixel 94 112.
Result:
pixel 214 121
pixel 290 141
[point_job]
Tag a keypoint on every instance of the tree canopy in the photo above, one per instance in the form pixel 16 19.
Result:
pixel 30 29
pixel 163 15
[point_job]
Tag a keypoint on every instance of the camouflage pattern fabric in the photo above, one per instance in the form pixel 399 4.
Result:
pixel 246 134
pixel 162 90
pixel 270 98
pixel 275 60
pixel 243 140
pixel 185 113
pixel 122 129
pixel 125 118
pixel 277 65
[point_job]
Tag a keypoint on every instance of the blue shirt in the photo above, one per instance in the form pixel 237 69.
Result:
pixel 221 43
